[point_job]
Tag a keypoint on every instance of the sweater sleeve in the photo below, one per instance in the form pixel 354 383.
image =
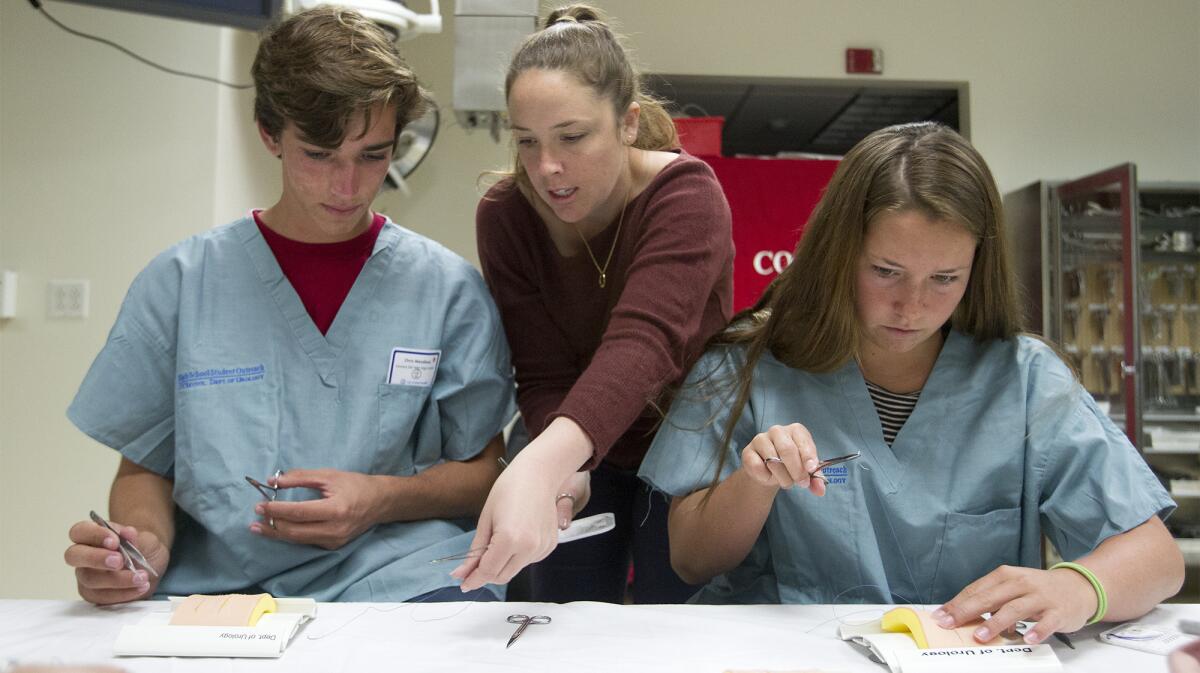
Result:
pixel 657 325
pixel 542 358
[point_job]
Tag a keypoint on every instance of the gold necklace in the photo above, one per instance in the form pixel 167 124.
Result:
pixel 616 236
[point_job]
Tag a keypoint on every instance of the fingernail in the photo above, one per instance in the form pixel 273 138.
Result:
pixel 260 509
pixel 982 633
pixel 256 529
pixel 564 523
pixel 1031 638
pixel 110 542
pixel 113 561
pixel 944 620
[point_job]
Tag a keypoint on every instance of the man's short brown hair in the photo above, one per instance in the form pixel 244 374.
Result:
pixel 327 67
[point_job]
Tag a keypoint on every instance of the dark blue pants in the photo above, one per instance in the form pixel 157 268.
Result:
pixel 597 568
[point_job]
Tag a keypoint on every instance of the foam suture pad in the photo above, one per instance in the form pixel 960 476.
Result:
pixel 225 610
pixel 927 633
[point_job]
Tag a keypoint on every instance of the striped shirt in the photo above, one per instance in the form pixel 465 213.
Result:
pixel 893 409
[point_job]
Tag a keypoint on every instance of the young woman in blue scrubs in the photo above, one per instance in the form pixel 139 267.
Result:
pixel 356 366
pixel 900 305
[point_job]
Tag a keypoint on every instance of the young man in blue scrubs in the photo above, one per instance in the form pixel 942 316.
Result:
pixel 315 346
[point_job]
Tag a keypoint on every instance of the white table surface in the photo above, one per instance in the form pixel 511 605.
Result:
pixel 471 637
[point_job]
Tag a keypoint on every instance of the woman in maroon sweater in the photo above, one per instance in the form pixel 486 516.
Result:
pixel 610 259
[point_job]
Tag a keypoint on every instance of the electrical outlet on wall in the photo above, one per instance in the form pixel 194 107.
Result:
pixel 8 294
pixel 67 299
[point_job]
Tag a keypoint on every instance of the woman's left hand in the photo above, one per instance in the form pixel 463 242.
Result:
pixel 1059 600
pixel 578 487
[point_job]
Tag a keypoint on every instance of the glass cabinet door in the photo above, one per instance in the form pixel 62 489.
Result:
pixel 1095 287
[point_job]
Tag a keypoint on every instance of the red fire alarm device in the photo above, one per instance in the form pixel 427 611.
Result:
pixel 864 61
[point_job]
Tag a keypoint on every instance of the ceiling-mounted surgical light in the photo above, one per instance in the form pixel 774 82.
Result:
pixel 393 15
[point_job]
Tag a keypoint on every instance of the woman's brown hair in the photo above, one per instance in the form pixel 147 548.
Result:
pixel 806 318
pixel 323 68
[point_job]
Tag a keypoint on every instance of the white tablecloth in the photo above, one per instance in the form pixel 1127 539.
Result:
pixel 583 637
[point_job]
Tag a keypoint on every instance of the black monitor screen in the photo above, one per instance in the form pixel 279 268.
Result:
pixel 249 14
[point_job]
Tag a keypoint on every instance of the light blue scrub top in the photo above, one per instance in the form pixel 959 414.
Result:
pixel 214 370
pixel 1003 446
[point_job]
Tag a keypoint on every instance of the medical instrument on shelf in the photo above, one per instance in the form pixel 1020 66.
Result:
pixel 524 621
pixel 821 465
pixel 1099 313
pixel 1071 320
pixel 133 556
pixel 268 492
pixel 1112 277
pixel 579 529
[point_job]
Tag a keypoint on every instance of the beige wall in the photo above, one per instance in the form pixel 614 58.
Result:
pixel 104 162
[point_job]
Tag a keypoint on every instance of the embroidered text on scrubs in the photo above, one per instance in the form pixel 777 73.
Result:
pixel 836 474
pixel 220 376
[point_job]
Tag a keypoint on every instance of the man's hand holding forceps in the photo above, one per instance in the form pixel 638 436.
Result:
pixel 785 456
pixel 115 563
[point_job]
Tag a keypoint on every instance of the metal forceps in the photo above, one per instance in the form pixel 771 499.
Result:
pixel 268 492
pixel 524 621
pixel 133 556
pixel 821 465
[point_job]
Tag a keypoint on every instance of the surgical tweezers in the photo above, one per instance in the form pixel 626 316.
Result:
pixel 821 465
pixel 132 555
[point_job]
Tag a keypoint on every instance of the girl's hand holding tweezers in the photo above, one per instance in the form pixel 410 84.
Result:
pixel 783 457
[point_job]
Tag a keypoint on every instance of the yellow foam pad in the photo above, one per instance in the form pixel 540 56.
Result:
pixel 905 620
pixel 223 610
pixel 926 632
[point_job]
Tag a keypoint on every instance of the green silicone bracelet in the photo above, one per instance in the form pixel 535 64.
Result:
pixel 1101 597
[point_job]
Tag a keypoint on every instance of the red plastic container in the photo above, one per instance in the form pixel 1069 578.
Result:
pixel 700 136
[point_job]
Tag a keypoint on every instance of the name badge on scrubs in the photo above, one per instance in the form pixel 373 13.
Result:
pixel 411 367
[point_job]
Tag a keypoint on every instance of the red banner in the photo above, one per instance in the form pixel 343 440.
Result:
pixel 771 200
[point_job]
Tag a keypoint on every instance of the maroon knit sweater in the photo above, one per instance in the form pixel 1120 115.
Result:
pixel 600 356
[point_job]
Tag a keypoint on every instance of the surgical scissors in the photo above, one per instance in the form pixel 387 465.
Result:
pixel 263 488
pixel 821 465
pixel 524 621
pixel 132 554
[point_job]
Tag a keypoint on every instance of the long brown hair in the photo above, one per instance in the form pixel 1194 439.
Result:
pixel 577 39
pixel 323 68
pixel 806 318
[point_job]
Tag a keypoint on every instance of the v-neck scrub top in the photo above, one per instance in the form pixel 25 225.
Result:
pixel 214 370
pixel 1003 446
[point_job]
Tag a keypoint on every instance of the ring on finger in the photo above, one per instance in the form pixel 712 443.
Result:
pixel 773 459
pixel 566 495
